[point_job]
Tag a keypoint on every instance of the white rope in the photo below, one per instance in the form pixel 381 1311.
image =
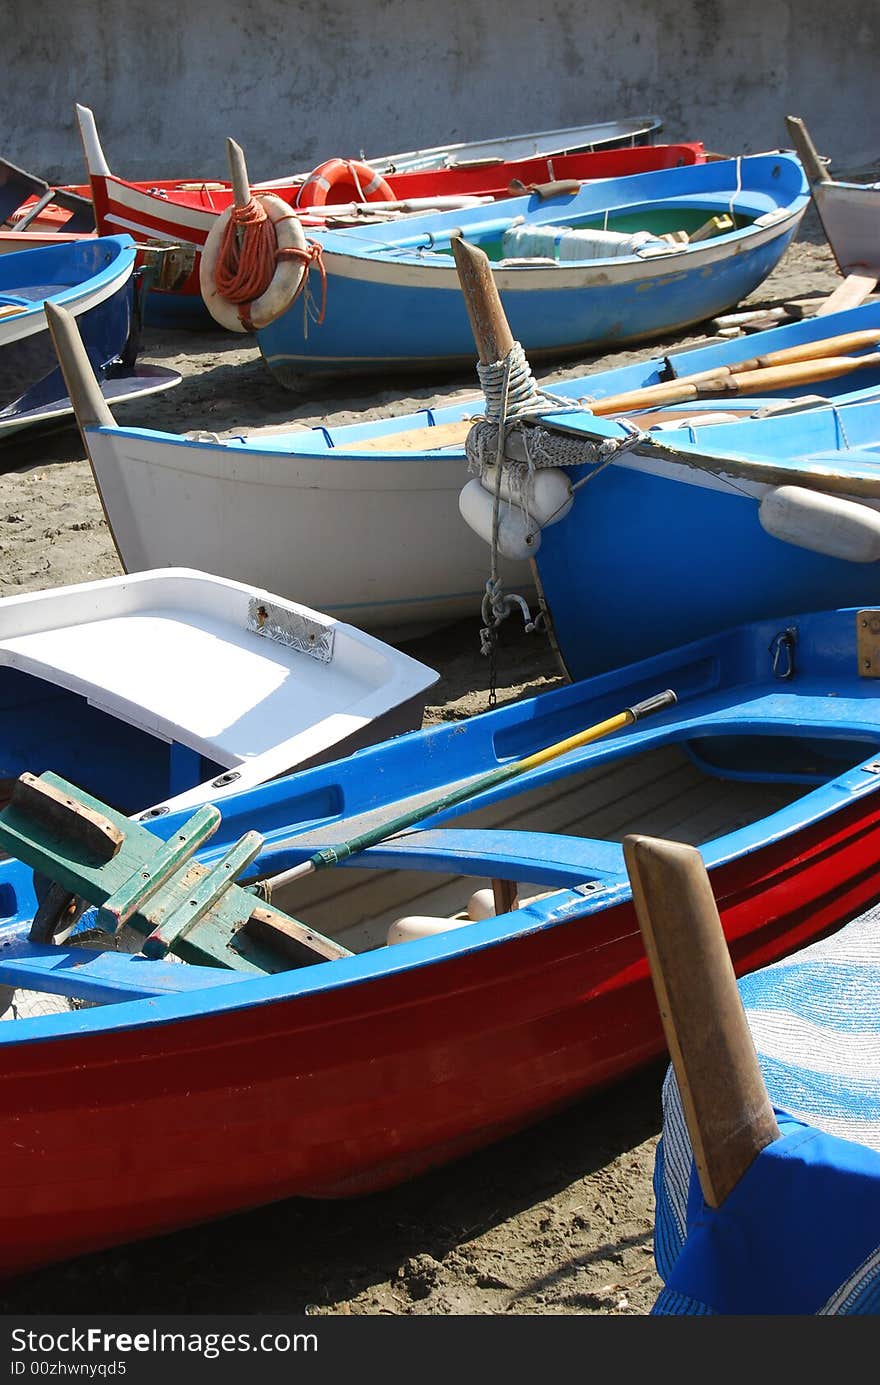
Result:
pixel 738 189
pixel 357 182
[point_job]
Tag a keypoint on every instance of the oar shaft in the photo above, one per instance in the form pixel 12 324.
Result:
pixel 753 381
pixel 332 855
pixel 787 355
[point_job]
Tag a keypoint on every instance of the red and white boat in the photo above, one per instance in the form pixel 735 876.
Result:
pixel 339 191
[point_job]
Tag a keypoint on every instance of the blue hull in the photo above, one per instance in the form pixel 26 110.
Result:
pixel 393 297
pixel 93 279
pixel 647 563
pixel 383 326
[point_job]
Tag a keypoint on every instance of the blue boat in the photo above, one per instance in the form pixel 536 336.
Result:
pixel 777 1090
pixel 453 981
pixel 731 504
pixel 92 278
pixel 620 260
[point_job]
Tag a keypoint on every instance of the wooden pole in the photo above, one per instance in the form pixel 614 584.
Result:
pixel 489 324
pixel 726 1105
pixel 241 188
pixel 89 404
pixel 806 150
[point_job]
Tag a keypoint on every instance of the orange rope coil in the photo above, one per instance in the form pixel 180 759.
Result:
pixel 249 254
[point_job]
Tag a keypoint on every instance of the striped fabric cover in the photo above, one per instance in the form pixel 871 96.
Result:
pixel 801 1232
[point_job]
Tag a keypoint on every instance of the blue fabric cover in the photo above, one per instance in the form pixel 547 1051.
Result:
pixel 800 1234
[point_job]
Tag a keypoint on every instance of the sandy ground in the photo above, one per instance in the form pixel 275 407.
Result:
pixel 555 1220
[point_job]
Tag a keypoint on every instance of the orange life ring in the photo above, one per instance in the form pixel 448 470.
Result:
pixel 343 180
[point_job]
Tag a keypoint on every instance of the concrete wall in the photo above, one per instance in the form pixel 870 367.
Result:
pixel 296 83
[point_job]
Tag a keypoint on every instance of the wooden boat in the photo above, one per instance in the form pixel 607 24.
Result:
pixel 379 1060
pixel 612 262
pixel 374 540
pixel 697 513
pixel 781 1213
pixel 92 280
pixel 849 213
pixel 28 202
pixel 183 211
pixel 575 139
pixel 165 496
pixel 164 689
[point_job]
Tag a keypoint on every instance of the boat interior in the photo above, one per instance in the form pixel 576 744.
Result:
pixel 714 786
pixel 47 726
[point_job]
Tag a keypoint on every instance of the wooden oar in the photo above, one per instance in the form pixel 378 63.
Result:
pixel 332 855
pixel 788 367
pixel 751 379
pixel 726 1106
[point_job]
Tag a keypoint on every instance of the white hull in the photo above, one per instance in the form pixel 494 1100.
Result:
pixel 850 216
pixel 571 140
pixel 375 541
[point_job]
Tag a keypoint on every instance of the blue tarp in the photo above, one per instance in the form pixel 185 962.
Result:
pixel 800 1234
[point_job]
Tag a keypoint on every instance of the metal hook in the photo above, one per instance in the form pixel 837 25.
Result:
pixel 785 640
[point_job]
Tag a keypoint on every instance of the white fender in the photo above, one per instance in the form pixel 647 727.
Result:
pixel 285 281
pixel 826 524
pixel 518 535
pixel 549 497
pixel 406 930
pixel 481 905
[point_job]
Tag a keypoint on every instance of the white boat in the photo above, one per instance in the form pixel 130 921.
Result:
pixel 574 139
pixel 167 688
pixel 368 536
pixel 849 212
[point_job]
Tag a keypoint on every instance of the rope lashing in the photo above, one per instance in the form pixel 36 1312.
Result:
pixel 248 255
pixel 509 386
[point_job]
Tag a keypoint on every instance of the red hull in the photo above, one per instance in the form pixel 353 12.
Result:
pixel 186 213
pixel 110 1138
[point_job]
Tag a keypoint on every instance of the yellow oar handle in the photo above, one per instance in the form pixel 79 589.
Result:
pixel 658 703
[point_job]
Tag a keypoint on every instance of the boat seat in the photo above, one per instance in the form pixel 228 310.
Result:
pixel 542 858
pixel 852 456
pixel 32 293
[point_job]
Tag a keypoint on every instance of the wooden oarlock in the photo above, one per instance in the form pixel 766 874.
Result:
pixel 728 1111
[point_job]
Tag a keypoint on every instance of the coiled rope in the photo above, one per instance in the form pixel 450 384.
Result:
pixel 248 255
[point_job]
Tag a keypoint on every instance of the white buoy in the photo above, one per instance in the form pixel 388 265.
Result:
pixel 548 495
pixel 823 523
pixel 519 537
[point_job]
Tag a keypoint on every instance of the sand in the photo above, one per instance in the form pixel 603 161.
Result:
pixel 555 1220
